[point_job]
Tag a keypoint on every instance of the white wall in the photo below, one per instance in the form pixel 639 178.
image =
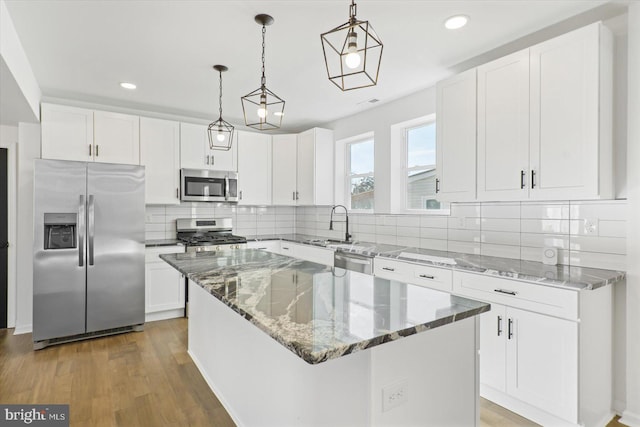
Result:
pixel 379 120
pixel 631 415
pixel 9 140
pixel 28 150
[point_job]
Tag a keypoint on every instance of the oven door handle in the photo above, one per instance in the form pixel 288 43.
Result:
pixel 226 187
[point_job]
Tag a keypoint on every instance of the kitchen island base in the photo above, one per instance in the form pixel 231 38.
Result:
pixel 430 378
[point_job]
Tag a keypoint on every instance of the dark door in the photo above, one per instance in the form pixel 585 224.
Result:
pixel 4 236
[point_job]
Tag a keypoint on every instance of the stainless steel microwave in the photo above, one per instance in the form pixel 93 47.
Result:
pixel 208 186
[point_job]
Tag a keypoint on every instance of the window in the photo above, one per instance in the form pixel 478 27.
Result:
pixel 359 174
pixel 420 161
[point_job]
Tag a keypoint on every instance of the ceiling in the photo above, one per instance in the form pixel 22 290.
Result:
pixel 82 49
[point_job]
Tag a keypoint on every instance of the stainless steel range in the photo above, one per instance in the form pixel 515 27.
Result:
pixel 208 234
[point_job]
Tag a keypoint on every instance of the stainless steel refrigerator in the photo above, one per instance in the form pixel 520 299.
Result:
pixel 88 263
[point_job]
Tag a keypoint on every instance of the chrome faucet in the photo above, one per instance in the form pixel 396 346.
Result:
pixel 347 236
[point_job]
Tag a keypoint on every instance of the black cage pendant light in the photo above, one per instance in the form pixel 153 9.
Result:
pixel 263 109
pixel 220 132
pixel 352 53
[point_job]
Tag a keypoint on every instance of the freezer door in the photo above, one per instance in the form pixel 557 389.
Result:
pixel 115 246
pixel 58 249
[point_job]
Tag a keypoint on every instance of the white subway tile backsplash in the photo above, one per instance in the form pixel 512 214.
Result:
pixel 556 226
pixel 464 236
pixel 500 210
pixel 611 210
pixel 500 238
pixel 535 254
pixel 386 230
pixel 538 240
pixel 500 224
pixel 413 242
pixel 598 260
pixel 408 231
pixel 464 247
pixel 433 221
pixel 408 221
pixel 606 245
pixel 612 228
pixel 463 223
pixel 433 244
pixel 433 233
pixel 504 251
pixel 544 210
pixel 470 210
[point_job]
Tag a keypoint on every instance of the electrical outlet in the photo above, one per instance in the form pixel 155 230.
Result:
pixel 590 226
pixel 395 395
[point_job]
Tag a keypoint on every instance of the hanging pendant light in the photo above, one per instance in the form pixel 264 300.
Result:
pixel 352 53
pixel 220 132
pixel 263 109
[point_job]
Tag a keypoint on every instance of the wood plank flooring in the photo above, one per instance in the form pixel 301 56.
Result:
pixel 135 379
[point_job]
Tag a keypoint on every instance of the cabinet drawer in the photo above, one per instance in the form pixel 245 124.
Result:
pixel 392 269
pixel 528 296
pixel 431 277
pixel 151 253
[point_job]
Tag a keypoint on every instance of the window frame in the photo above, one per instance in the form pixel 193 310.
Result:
pixel 405 128
pixel 348 176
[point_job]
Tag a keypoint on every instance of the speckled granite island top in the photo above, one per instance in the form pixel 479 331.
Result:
pixel 562 276
pixel 318 313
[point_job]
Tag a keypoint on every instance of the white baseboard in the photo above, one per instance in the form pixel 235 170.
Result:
pixel 23 329
pixel 618 406
pixel 630 419
pixel 164 315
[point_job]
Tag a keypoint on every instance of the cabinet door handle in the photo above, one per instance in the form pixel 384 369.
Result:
pixel 523 175
pixel 502 291
pixel 294 195
pixel 177 193
pixel 533 178
pixel 240 194
pixel 499 325
pixel 426 276
pixel 388 268
pixel 97 150
pixel 207 159
pixel 297 196
pixel 212 160
pixel 89 150
pixel 285 248
pixel 510 329
pixel 437 185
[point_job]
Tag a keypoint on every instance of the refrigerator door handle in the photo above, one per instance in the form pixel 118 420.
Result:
pixel 226 188
pixel 91 227
pixel 81 230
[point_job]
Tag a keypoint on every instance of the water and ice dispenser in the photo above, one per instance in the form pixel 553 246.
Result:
pixel 60 230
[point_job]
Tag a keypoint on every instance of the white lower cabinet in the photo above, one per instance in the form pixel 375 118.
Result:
pixel 307 252
pixel 265 245
pixel 531 357
pixel 164 285
pixel 417 274
pixel 545 352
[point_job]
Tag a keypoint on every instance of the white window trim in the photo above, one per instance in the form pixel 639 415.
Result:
pixel 342 184
pixel 399 158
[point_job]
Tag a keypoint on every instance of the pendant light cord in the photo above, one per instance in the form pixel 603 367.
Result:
pixel 353 9
pixel 220 97
pixel 263 80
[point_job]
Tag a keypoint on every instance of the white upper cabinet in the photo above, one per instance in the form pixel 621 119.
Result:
pixel 571 114
pixel 116 138
pixel 67 133
pixel 70 133
pixel 160 154
pixel 315 163
pixel 254 168
pixel 456 137
pixel 503 128
pixel 196 154
pixel 284 169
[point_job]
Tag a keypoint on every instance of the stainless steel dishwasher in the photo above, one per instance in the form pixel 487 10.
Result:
pixel 353 262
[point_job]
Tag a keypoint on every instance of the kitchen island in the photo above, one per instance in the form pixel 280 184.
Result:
pixel 287 342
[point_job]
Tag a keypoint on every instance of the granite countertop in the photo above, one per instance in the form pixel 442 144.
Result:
pixel 563 276
pixel 161 242
pixel 317 312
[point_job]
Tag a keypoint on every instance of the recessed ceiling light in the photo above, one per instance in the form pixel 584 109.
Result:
pixel 127 85
pixel 456 21
pixel 278 113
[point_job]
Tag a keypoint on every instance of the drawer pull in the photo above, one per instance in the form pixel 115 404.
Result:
pixel 285 248
pixel 388 268
pixel 499 325
pixel 510 329
pixel 426 276
pixel 502 291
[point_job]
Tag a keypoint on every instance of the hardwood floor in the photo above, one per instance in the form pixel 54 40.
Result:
pixel 135 379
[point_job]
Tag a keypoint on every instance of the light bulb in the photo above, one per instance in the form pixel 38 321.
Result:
pixel 353 58
pixel 220 136
pixel 262 111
